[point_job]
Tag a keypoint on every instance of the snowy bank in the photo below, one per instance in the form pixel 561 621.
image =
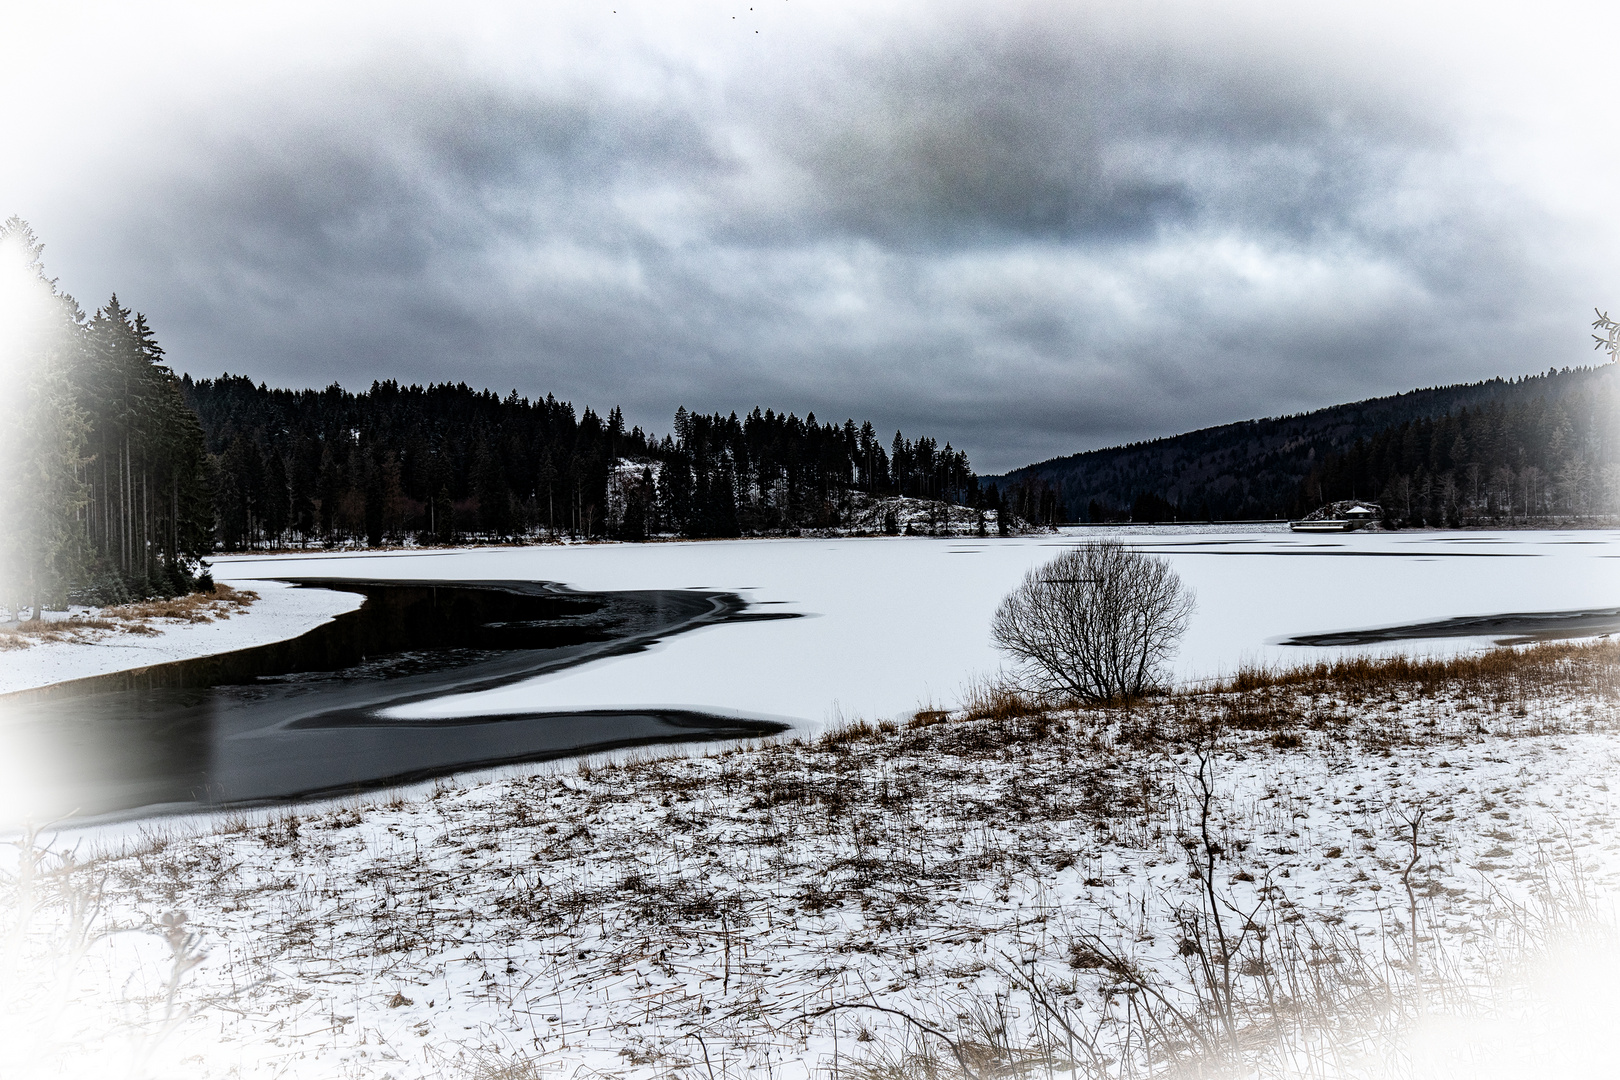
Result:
pixel 280 612
pixel 1034 890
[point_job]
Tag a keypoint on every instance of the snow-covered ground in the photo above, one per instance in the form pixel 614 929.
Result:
pixel 1026 887
pixel 280 612
pixel 894 623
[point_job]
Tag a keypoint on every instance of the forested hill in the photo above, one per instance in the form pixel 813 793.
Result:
pixel 446 461
pixel 1542 447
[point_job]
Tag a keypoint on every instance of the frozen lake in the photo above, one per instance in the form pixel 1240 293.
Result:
pixel 890 625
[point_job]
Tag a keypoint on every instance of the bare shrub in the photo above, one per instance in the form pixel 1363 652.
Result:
pixel 1097 623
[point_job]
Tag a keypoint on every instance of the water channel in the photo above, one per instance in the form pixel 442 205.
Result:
pixel 303 718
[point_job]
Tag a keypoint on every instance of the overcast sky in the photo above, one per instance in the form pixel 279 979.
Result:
pixel 1029 229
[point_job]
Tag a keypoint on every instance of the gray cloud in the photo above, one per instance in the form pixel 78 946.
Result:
pixel 1029 238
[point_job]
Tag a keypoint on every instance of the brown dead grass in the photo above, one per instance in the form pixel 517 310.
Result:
pixel 1506 689
pixel 22 635
pixel 197 607
pixel 990 700
pixel 1589 666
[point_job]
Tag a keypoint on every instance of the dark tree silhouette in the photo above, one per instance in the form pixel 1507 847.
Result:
pixel 1542 448
pixel 445 461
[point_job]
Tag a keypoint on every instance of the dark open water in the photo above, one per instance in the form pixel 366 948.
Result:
pixel 301 719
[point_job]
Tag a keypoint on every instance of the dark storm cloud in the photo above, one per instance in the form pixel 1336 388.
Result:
pixel 1043 137
pixel 1028 240
pixel 378 176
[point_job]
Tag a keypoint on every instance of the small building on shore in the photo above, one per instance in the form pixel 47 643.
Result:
pixel 1347 515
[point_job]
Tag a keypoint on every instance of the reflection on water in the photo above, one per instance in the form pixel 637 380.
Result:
pixel 301 718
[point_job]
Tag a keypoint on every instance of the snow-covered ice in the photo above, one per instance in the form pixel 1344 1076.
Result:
pixel 892 624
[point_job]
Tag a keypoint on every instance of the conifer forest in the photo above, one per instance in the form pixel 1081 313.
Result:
pixel 1506 462
pixel 445 462
pixel 1535 450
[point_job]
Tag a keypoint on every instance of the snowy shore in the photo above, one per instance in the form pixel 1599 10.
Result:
pixel 281 612
pixel 1023 888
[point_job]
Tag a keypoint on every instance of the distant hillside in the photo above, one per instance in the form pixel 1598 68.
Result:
pixel 1537 447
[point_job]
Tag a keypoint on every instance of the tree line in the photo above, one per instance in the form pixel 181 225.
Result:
pixel 106 492
pixel 1505 462
pixel 444 462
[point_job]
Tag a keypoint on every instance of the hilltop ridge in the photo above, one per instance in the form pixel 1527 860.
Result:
pixel 1529 447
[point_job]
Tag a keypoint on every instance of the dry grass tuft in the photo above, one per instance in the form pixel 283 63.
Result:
pixel 1588 666
pixel 859 731
pixel 995 699
pixel 198 607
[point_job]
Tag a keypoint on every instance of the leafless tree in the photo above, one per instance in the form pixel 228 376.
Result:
pixel 1096 623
